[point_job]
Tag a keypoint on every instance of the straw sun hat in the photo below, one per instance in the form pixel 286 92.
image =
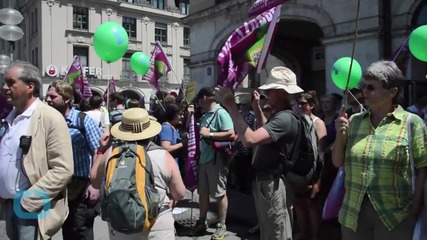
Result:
pixel 136 125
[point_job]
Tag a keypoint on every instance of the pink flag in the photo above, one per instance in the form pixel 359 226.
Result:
pixel 160 66
pixel 191 163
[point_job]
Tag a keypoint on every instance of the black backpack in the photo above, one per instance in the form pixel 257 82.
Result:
pixel 80 124
pixel 304 165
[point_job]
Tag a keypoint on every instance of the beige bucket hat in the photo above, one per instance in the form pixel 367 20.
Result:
pixel 136 125
pixel 282 78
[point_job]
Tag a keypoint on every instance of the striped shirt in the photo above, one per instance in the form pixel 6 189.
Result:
pixel 377 164
pixel 84 147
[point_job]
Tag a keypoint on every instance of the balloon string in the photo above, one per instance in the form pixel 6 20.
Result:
pixel 352 53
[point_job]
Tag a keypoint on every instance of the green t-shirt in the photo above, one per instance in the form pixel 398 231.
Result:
pixel 221 122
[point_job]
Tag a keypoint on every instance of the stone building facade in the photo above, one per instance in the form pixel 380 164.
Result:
pixel 312 35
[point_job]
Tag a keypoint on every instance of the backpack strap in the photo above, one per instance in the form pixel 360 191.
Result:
pixel 213 117
pixel 80 124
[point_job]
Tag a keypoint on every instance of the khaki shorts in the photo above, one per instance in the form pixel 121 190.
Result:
pixel 213 178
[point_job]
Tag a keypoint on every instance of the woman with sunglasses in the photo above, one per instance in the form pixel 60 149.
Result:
pixel 373 147
pixel 305 196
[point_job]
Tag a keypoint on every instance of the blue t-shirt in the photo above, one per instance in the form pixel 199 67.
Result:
pixel 170 134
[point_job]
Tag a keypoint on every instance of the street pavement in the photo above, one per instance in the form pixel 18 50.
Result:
pixel 241 216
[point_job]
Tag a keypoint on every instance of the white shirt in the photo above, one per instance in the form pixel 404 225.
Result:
pixel 12 176
pixel 100 118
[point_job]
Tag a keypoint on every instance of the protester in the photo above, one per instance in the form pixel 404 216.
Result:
pixel 100 118
pixel 170 138
pixel 272 196
pixel 167 178
pixel 117 107
pixel 85 134
pixel 373 149
pixel 36 158
pixel 306 196
pixel 215 125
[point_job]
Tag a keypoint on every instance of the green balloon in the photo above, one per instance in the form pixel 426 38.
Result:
pixel 110 41
pixel 340 71
pixel 140 63
pixel 418 43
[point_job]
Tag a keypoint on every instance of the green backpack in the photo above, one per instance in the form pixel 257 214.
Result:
pixel 130 200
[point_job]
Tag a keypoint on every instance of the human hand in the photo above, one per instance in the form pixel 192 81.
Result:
pixel 204 132
pixel 190 109
pixel 92 194
pixel 341 123
pixel 256 98
pixel 105 142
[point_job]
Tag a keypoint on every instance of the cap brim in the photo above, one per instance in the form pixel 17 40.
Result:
pixel 291 89
pixel 120 133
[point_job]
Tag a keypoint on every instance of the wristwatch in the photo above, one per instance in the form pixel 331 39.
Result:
pixel 210 135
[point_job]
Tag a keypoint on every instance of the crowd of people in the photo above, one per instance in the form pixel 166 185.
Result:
pixel 59 152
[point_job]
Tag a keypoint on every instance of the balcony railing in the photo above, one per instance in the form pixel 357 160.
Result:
pixel 128 75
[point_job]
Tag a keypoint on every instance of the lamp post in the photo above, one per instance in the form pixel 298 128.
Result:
pixel 9 31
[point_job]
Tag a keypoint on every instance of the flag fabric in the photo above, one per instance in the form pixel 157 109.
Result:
pixel 266 49
pixel 111 88
pixel 76 79
pixel 160 66
pixel 241 52
pixel 261 6
pixel 87 92
pixel 180 96
pixel 401 56
pixel 192 153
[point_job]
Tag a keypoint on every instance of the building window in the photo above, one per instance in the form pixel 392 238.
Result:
pixel 186 69
pixel 36 20
pixel 129 1
pixel 159 4
pixel 127 72
pixel 130 25
pixel 184 7
pixel 161 32
pixel 83 53
pixel 32 22
pixel 126 62
pixel 186 36
pixel 36 57
pixel 80 18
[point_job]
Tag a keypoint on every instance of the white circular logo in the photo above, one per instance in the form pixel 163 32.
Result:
pixel 52 70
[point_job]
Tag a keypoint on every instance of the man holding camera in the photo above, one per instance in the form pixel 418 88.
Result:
pixel 36 160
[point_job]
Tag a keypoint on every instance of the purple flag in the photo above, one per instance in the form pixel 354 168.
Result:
pixel 87 92
pixel 241 52
pixel 261 6
pixel 160 66
pixel 191 163
pixel 75 71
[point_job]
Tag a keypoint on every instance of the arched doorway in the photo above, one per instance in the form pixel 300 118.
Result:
pixel 97 91
pixel 132 93
pixel 297 44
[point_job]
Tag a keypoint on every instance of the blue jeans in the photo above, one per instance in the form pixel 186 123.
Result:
pixel 17 228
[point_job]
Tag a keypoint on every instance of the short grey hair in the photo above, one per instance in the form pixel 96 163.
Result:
pixel 388 73
pixel 29 74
